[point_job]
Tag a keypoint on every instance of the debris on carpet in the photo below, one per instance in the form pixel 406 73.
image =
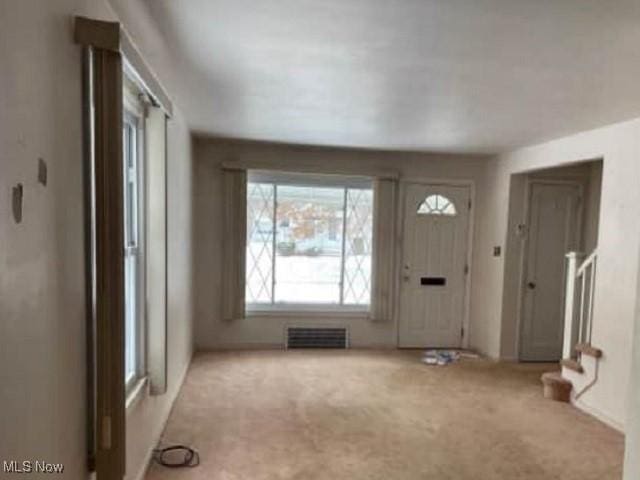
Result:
pixel 445 357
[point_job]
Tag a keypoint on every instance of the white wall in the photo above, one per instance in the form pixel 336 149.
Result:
pixel 632 446
pixel 592 207
pixel 211 330
pixel 618 239
pixel 42 306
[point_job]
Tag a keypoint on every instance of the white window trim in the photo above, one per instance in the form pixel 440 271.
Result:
pixel 275 309
pixel 136 392
pixel 293 308
pixel 134 107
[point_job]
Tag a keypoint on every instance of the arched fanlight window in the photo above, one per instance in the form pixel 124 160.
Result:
pixel 437 205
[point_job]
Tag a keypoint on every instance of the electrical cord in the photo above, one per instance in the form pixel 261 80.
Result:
pixel 169 456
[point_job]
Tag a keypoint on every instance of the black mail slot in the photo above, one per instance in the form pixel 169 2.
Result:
pixel 433 281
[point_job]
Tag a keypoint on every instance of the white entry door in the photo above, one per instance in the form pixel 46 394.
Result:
pixel 554 226
pixel 434 268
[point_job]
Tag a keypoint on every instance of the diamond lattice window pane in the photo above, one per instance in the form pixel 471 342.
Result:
pixel 357 254
pixel 260 205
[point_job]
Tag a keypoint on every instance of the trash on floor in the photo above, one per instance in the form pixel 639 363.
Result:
pixel 445 357
pixel 440 357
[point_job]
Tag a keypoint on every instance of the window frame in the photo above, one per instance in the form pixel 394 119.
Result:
pixel 344 183
pixel 437 210
pixel 134 113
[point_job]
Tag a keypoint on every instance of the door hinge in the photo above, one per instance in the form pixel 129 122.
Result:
pixel 462 333
pixel 469 204
pixel 466 269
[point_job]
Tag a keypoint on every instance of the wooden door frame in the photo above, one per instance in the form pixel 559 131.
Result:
pixel 400 245
pixel 523 267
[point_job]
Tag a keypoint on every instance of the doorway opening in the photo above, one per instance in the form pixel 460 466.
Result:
pixel 551 212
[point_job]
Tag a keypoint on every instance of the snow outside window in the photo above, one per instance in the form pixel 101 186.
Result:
pixel 308 244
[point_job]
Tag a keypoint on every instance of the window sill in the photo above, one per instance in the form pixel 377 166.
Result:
pixel 313 311
pixel 136 393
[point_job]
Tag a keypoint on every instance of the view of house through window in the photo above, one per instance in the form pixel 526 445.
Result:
pixel 308 243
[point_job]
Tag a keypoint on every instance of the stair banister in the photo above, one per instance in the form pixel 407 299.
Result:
pixel 574 259
pixel 592 294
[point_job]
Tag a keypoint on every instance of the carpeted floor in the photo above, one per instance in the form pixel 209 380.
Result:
pixel 309 415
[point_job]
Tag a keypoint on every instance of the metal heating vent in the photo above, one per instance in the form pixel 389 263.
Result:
pixel 299 337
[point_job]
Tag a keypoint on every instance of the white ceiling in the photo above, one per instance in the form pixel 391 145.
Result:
pixel 476 76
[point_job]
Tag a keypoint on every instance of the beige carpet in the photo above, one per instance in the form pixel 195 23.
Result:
pixel 352 415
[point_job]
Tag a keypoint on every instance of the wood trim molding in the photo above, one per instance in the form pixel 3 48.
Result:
pixel 97 33
pixel 102 78
pixel 112 36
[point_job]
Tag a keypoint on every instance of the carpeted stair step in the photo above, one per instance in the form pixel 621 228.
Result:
pixel 555 387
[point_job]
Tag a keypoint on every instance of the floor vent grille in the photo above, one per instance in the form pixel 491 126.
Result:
pixel 305 337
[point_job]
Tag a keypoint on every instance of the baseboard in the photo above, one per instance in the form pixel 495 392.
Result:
pixel 222 347
pixel 594 412
pixel 156 437
pixel 374 346
pixel 490 358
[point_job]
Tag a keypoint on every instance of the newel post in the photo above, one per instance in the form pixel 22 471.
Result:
pixel 570 326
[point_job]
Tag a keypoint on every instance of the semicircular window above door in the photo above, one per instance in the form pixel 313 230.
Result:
pixel 437 205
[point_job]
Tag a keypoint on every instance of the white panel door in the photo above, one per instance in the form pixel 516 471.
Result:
pixel 432 297
pixel 554 223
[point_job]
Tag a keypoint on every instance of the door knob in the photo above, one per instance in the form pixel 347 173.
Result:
pixel 531 285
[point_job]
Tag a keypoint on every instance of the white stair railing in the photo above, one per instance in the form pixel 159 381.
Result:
pixel 579 294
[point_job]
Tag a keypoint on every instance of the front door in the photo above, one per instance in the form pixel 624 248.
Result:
pixel 436 226
pixel 554 225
